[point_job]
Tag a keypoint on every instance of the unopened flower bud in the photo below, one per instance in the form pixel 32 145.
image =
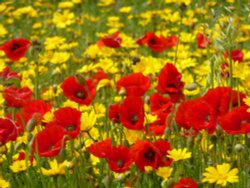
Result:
pixel 238 147
pixel 191 86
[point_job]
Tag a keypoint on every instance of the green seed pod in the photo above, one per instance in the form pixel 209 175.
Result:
pixel 238 147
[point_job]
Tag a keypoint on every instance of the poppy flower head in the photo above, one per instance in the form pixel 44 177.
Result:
pixel 35 108
pixel 237 55
pixel 135 84
pixel 131 113
pixel 237 121
pixel 6 74
pixel 202 40
pixel 16 48
pixel 49 141
pixel 112 41
pixel 119 158
pixel 160 104
pixel 82 93
pixel 169 82
pixel 113 113
pixel 151 154
pixel 69 119
pixel 17 97
pixel 155 43
pixel 171 41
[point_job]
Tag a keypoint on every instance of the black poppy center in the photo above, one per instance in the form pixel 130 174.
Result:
pixel 134 119
pixel 80 95
pixel 70 128
pixel 152 41
pixel 15 47
pixel 120 163
pixel 150 154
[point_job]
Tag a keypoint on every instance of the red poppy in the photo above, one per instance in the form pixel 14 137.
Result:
pixel 17 97
pixel 151 154
pixel 220 98
pixel 7 75
pixel 237 55
pixel 131 113
pixel 169 82
pixel 82 93
pixel 237 121
pixel 119 158
pixel 35 109
pixel 8 130
pixel 69 119
pixel 112 41
pixel 16 48
pixel 202 40
pixel 100 149
pixel 156 44
pixel 186 183
pixel 181 115
pixel 113 113
pixel 136 84
pixel 160 104
pixel 49 141
pixel 171 41
pixel 200 115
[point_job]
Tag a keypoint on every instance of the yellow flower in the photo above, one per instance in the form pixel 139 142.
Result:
pixel 221 175
pixel 52 43
pixel 60 57
pixel 62 20
pixel 179 154
pixel 164 172
pixel 3 31
pixel 105 3
pixel 3 183
pixel 65 4
pixel 125 9
pixel 20 166
pixel 56 168
pixel 88 120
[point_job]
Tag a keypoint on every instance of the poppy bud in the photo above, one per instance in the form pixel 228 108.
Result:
pixel 238 147
pixel 191 86
pixel 32 122
pixel 107 181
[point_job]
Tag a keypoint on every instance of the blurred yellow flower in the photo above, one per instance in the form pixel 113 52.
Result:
pixel 56 168
pixel 4 183
pixel 20 166
pixel 164 172
pixel 179 154
pixel 62 20
pixel 221 174
pixel 3 31
pixel 88 120
pixel 105 3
